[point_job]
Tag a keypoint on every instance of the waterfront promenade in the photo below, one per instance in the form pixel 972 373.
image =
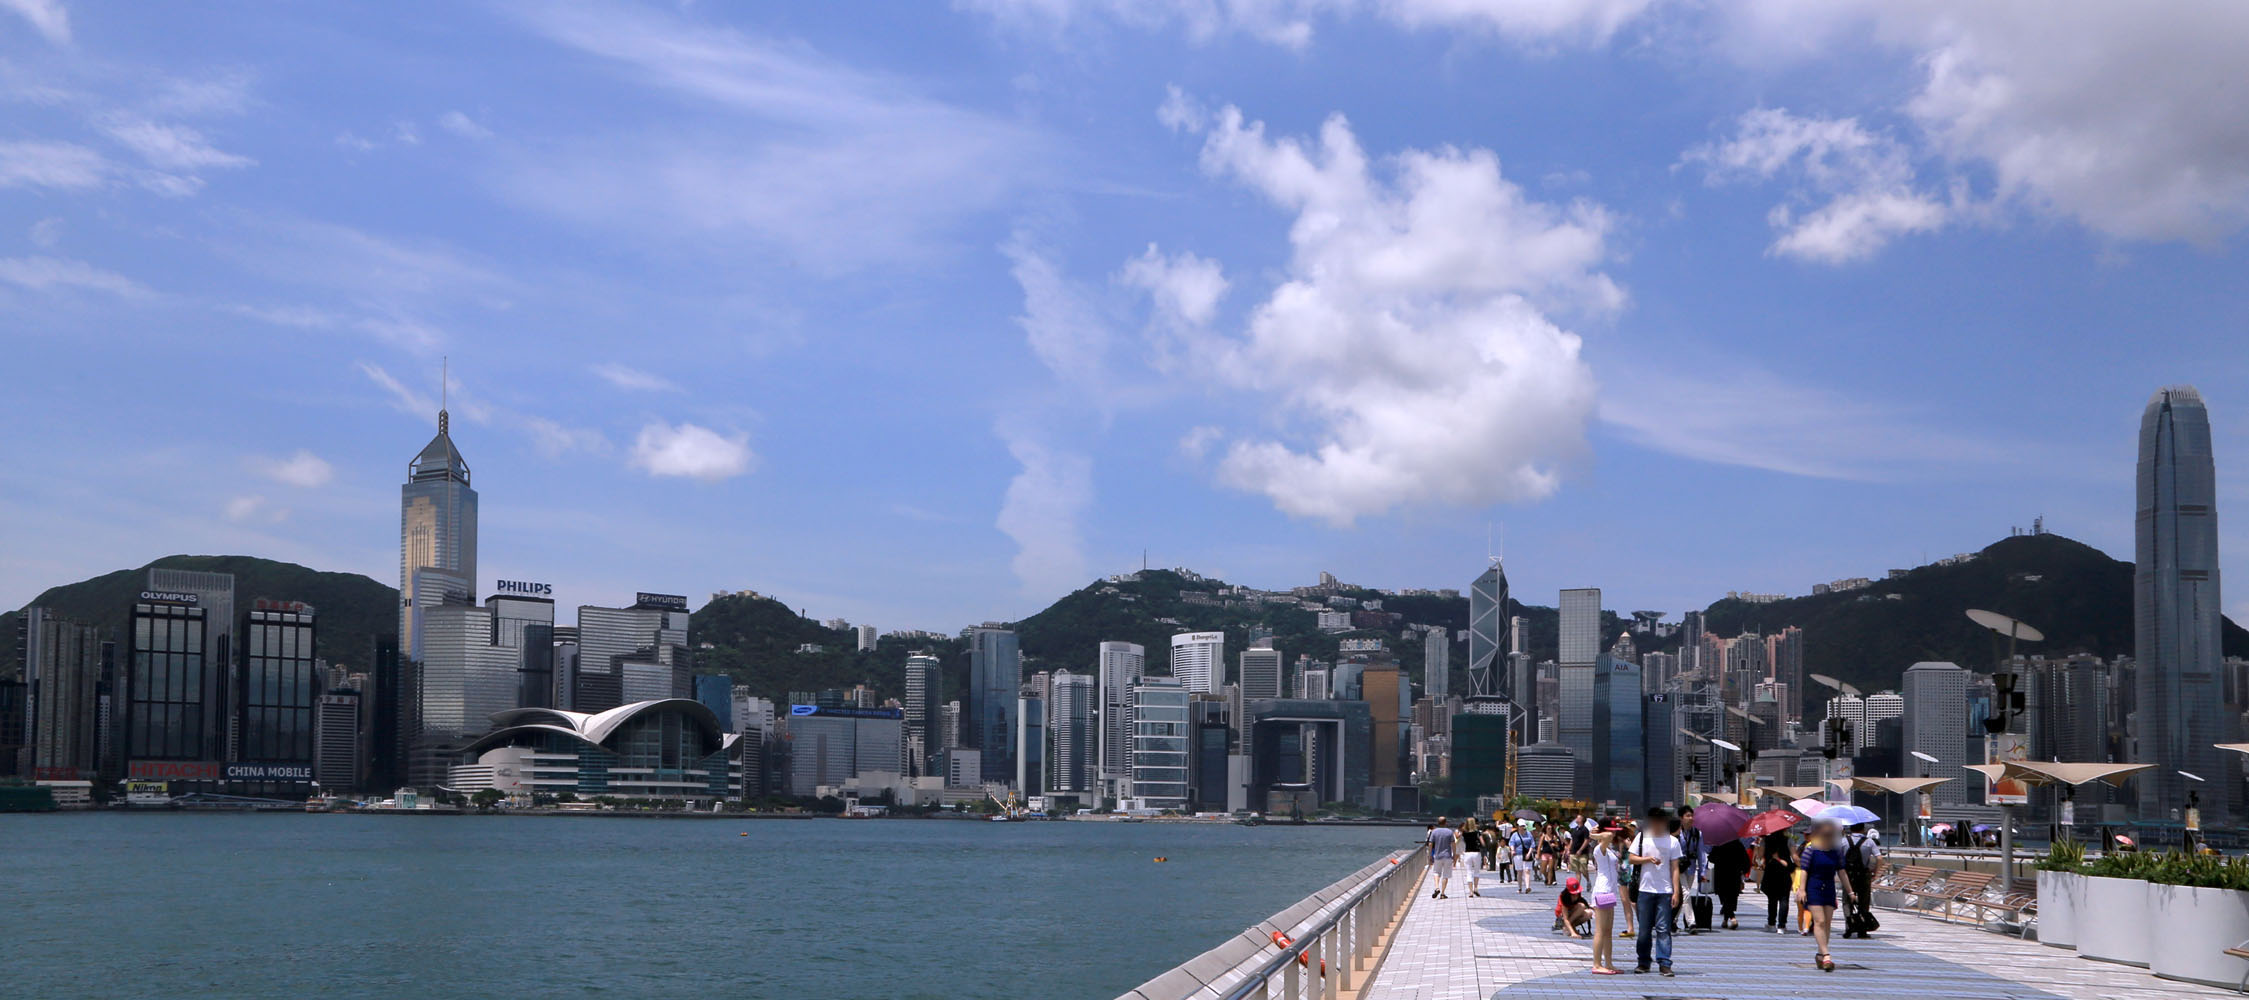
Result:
pixel 1499 945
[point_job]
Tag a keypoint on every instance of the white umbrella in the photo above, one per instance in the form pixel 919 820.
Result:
pixel 1808 807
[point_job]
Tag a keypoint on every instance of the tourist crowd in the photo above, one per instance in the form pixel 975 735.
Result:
pixel 1648 878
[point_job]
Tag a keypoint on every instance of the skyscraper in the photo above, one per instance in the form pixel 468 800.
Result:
pixel 1261 671
pixel 1436 663
pixel 277 692
pixel 1121 666
pixel 1580 626
pixel 1198 659
pixel 2175 607
pixel 995 677
pixel 646 642
pixel 1160 730
pixel 1936 723
pixel 923 725
pixel 62 668
pixel 1785 651
pixel 1489 633
pixel 171 711
pixel 436 522
pixel 1072 715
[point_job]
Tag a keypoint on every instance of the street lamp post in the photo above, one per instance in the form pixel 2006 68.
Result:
pixel 2010 705
pixel 1921 800
pixel 2190 822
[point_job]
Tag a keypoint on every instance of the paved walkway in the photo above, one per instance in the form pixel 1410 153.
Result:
pixel 1500 947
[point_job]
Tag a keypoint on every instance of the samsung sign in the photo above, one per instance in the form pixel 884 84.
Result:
pixel 847 713
pixel 172 596
pixel 671 602
pixel 268 772
pixel 523 588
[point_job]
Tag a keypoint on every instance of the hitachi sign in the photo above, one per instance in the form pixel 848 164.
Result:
pixel 523 587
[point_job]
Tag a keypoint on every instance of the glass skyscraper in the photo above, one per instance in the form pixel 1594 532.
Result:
pixel 278 689
pixel 1160 743
pixel 1122 665
pixel 2175 608
pixel 436 523
pixel 1488 627
pixel 995 677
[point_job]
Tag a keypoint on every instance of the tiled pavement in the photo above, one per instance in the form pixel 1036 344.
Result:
pixel 1500 945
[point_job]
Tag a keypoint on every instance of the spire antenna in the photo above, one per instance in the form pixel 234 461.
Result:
pixel 444 388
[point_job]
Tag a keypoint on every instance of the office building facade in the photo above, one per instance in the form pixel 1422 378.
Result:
pixel 1436 664
pixel 1160 744
pixel 278 691
pixel 1936 724
pixel 924 693
pixel 1073 717
pixel 436 525
pixel 2176 609
pixel 61 671
pixel 1261 671
pixel 338 746
pixel 831 746
pixel 995 678
pixel 1121 665
pixel 1198 660
pixel 1489 633
pixel 174 708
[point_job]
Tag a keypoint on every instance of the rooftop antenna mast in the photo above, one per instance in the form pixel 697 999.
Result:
pixel 444 386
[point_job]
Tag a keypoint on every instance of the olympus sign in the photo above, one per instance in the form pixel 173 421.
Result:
pixel 174 596
pixel 523 587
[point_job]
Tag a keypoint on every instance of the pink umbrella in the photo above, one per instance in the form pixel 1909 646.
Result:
pixel 1720 823
pixel 1771 821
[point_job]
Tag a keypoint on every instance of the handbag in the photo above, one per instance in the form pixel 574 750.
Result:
pixel 1604 899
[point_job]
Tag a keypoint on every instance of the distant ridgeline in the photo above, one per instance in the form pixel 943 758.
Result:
pixel 1866 636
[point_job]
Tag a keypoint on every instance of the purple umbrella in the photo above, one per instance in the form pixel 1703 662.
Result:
pixel 1719 822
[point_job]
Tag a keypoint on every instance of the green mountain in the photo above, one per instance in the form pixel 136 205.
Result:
pixel 2078 596
pixel 352 608
pixel 756 640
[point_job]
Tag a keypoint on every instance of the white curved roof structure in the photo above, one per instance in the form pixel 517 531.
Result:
pixel 594 728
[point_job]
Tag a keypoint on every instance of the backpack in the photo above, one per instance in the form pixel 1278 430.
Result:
pixel 1854 858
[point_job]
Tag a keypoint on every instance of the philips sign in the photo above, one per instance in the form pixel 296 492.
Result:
pixel 523 588
pixel 171 596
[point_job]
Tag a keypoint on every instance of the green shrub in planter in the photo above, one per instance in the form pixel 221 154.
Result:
pixel 2064 856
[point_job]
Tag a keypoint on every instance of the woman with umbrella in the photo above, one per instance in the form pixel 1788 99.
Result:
pixel 1822 864
pixel 1721 827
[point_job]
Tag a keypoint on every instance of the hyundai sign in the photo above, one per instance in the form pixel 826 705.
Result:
pixel 667 602
pixel 268 772
pixel 523 588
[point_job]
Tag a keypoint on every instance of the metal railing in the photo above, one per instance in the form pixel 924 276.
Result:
pixel 1315 949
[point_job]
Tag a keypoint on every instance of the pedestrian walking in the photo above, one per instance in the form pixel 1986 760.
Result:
pixel 1607 860
pixel 1494 837
pixel 1525 845
pixel 1776 877
pixel 1444 849
pixel 1655 855
pixel 1822 865
pixel 1729 870
pixel 1694 869
pixel 1629 881
pixel 1472 852
pixel 1862 864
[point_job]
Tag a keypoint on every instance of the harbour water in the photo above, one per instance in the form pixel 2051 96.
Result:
pixel 274 906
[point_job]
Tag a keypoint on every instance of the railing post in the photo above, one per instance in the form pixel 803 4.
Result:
pixel 1331 951
pixel 1289 989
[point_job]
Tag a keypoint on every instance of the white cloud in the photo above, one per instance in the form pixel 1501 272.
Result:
pixel 354 142
pixel 1408 340
pixel 770 142
pixel 633 379
pixel 462 125
pixel 691 451
pixel 170 147
pixel 2115 115
pixel 1736 413
pixel 1866 178
pixel 59 165
pixel 1186 288
pixel 1065 331
pixel 44 233
pixel 406 133
pixel 46 17
pixel 45 273
pixel 402 399
pixel 302 469
pixel 1290 23
pixel 1044 504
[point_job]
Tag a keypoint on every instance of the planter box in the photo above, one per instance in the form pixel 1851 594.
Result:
pixel 2113 923
pixel 2194 928
pixel 2060 896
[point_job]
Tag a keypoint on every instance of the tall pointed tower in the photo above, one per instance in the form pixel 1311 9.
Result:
pixel 2175 617
pixel 436 533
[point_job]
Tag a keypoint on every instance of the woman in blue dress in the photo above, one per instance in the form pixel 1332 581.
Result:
pixel 1822 862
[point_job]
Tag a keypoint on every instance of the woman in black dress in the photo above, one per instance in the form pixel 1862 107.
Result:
pixel 1776 877
pixel 1729 868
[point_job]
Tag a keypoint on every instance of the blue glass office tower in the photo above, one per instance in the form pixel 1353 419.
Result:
pixel 2175 614
pixel 1620 762
pixel 995 679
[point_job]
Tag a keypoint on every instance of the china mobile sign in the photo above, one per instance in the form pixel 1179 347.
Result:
pixel 269 772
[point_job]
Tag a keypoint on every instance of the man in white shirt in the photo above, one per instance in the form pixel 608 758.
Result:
pixel 1656 852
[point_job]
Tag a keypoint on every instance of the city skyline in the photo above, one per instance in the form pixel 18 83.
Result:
pixel 721 365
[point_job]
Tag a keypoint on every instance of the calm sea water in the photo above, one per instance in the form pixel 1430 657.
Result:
pixel 110 905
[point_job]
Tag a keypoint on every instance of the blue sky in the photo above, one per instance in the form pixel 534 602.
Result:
pixel 921 314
